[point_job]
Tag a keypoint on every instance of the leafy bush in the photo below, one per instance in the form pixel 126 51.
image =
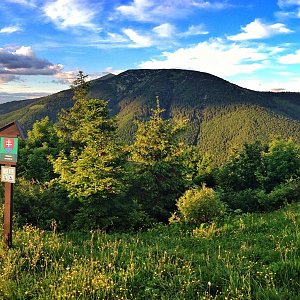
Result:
pixel 34 161
pixel 281 163
pixel 238 173
pixel 247 200
pixel 40 203
pixel 200 205
pixel 282 194
pixel 261 177
pixel 260 200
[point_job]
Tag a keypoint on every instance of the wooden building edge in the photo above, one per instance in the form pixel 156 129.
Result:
pixel 12 129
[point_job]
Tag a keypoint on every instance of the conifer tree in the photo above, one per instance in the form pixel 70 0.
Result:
pixel 92 166
pixel 158 169
pixel 69 120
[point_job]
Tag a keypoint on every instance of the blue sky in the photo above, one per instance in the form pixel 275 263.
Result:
pixel 43 44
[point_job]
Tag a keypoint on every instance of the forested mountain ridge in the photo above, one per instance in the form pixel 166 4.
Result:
pixel 220 115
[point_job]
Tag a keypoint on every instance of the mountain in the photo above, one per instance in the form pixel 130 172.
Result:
pixel 220 115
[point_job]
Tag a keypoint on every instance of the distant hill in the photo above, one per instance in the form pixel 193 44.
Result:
pixel 220 115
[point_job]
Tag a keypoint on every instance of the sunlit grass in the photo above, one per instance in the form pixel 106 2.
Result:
pixel 254 256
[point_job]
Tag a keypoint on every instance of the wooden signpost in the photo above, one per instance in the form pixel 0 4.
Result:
pixel 9 137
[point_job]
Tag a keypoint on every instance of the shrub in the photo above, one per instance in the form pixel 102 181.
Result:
pixel 200 205
pixel 239 172
pixel 247 200
pixel 38 204
pixel 281 163
pixel 282 194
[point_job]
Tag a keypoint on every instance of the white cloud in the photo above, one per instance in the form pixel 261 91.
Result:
pixel 66 77
pixel 23 51
pixel 289 85
pixel 286 14
pixel 290 59
pixel 114 38
pixel 112 71
pixel 286 3
pixel 210 5
pixel 137 39
pixel 154 10
pixel 164 30
pixel 284 73
pixel 70 13
pixel 162 35
pixel 293 7
pixel 215 57
pixel 137 10
pixel 10 29
pixel 31 3
pixel 195 30
pixel 258 30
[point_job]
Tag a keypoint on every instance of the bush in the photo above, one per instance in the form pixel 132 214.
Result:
pixel 247 200
pixel 255 200
pixel 281 163
pixel 200 205
pixel 40 203
pixel 282 194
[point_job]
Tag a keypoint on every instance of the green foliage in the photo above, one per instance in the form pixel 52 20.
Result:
pixel 157 168
pixel 261 177
pixel 156 188
pixel 240 171
pixel 35 153
pixel 157 139
pixel 281 195
pixel 246 200
pixel 204 172
pixel 227 127
pixel 40 204
pixel 94 165
pixel 200 205
pixel 80 86
pixel 281 163
pixel 100 185
pixel 91 167
pixel 253 256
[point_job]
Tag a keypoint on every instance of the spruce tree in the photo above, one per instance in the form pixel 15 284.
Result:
pixel 158 175
pixel 92 165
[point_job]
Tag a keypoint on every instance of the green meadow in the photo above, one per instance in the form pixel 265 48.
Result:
pixel 240 256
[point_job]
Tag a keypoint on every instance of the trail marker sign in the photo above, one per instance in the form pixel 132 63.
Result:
pixel 8 150
pixel 9 135
pixel 8 174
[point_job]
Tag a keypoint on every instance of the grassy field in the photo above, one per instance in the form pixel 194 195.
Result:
pixel 254 256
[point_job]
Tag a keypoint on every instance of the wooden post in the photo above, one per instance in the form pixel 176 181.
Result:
pixel 8 204
pixel 9 135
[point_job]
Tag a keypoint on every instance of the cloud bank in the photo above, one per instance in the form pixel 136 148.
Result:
pixel 259 30
pixel 22 61
pixel 215 56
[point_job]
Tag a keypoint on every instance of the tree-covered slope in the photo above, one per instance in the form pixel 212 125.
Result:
pixel 220 115
pixel 223 130
pixel 28 111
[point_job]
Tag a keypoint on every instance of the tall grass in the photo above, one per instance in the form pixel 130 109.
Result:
pixel 252 256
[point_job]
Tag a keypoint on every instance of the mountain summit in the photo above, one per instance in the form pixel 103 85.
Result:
pixel 220 115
